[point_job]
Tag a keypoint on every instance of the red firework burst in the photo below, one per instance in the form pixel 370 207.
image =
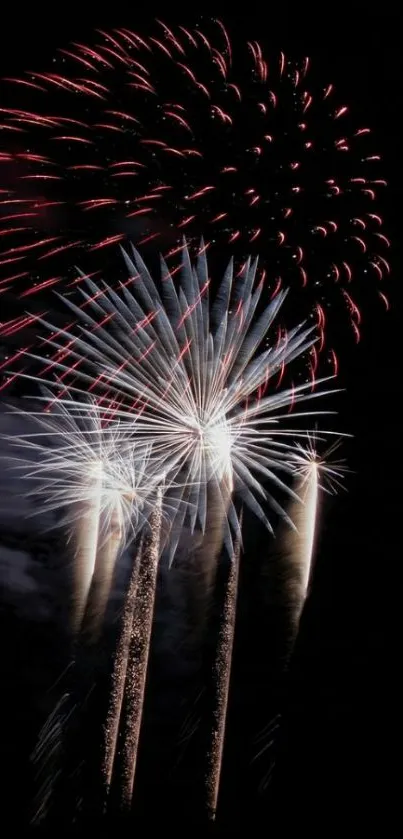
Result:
pixel 180 132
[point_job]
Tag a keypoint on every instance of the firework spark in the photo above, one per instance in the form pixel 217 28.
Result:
pixel 137 661
pixel 305 537
pixel 119 673
pixel 152 134
pixel 86 542
pixel 47 757
pixel 330 471
pixel 221 675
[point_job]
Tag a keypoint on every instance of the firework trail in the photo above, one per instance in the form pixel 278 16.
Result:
pixel 137 662
pixel 222 675
pixel 47 757
pixel 202 557
pixel 310 498
pixel 298 548
pixel 178 130
pixel 86 539
pixel 108 548
pixel 131 500
pixel 119 676
pixel 314 473
pixel 104 488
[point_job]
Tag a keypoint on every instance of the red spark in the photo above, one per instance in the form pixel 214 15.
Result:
pixel 109 240
pixel 384 299
pixel 35 288
pixel 137 95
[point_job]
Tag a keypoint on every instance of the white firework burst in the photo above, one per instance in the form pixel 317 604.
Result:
pixel 188 377
pixel 103 486
pixel 76 458
pixel 330 472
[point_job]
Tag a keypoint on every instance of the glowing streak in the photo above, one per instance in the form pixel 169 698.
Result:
pixel 222 675
pixel 204 553
pixel 138 654
pixel 314 473
pixel 120 666
pixel 108 548
pixel 47 757
pixel 309 497
pixel 86 540
pixel 311 468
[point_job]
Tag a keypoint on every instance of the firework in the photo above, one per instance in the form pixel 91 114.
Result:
pixel 187 378
pixel 191 381
pixel 305 518
pixel 202 557
pixel 108 548
pixel 137 661
pixel 94 477
pixel 120 666
pixel 86 539
pixel 313 473
pixel 178 130
pixel 330 471
pixel 199 385
pixel 47 757
pixel 222 674
pixel 104 488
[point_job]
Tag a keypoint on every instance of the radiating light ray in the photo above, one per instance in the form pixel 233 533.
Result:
pixel 140 638
pixel 329 470
pixel 186 376
pixel 221 676
pixel 102 485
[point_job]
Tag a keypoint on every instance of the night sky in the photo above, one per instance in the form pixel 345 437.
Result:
pixel 341 743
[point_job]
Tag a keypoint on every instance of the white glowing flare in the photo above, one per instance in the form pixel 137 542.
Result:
pixel 316 472
pixel 102 485
pixel 86 540
pixel 309 498
pixel 188 376
pixel 330 472
pixel 313 473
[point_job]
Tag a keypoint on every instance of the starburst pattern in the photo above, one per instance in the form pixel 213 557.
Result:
pixel 74 455
pixel 308 457
pixel 102 485
pixel 187 377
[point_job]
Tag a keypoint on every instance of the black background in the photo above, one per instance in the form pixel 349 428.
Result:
pixel 341 753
